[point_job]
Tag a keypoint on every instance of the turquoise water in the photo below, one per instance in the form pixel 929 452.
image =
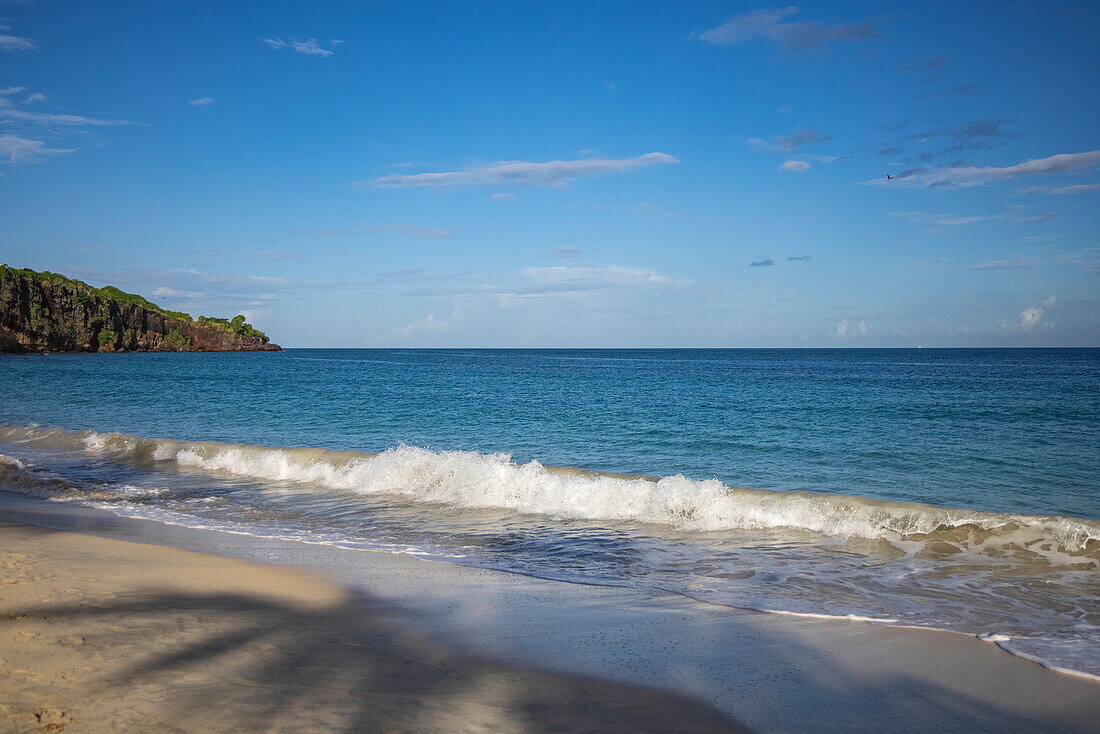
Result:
pixel 1001 430
pixel 945 488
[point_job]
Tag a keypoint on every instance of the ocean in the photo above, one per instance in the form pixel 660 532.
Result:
pixel 954 489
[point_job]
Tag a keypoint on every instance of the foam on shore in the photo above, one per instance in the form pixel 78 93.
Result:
pixel 469 479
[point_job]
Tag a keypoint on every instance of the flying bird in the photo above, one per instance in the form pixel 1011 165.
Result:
pixel 889 177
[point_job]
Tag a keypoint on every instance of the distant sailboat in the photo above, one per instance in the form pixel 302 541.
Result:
pixel 919 345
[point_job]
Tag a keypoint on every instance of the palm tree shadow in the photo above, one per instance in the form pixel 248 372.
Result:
pixel 240 663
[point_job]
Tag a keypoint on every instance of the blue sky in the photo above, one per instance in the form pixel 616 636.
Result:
pixel 566 174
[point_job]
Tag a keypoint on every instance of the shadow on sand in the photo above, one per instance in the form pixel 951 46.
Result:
pixel 235 663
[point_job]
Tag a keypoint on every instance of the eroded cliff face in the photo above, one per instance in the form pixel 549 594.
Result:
pixel 45 312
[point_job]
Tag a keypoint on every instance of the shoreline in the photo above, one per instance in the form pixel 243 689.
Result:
pixel 773 672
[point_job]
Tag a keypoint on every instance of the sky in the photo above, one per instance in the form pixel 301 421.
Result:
pixel 566 174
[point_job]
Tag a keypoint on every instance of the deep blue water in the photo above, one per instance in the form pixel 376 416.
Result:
pixel 1010 430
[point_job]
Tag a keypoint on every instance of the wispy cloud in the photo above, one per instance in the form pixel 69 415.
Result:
pixel 549 173
pixel 618 274
pixel 14 111
pixel 502 197
pixel 797 166
pixel 765 263
pixel 1088 260
pixel 307 46
pixel 960 91
pixel 1061 190
pixel 412 230
pixel 947 220
pixel 775 26
pixel 930 65
pixel 1076 189
pixel 947 177
pixel 565 281
pixel 1045 216
pixel 14 43
pixel 32 135
pixel 24 150
pixel 789 143
pixel 202 101
pixel 965 136
pixel 800 258
pixel 1016 263
pixel 564 252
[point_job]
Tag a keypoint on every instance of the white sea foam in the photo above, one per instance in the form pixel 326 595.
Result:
pixel 474 480
pixel 11 461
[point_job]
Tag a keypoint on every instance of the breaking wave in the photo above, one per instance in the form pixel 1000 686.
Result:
pixel 474 480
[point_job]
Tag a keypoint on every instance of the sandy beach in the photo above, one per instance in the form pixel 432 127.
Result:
pixel 106 635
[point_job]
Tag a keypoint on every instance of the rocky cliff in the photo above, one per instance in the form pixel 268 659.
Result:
pixel 46 312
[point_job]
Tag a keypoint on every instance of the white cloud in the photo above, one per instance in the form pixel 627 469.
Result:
pixel 1032 316
pixel 797 166
pixel 310 47
pixel 14 43
pixel 25 150
pixel 549 173
pixel 962 176
pixel 845 329
pixel 307 46
pixel 771 24
pixel 502 197
pixel 31 135
pixel 202 101
pixel 427 324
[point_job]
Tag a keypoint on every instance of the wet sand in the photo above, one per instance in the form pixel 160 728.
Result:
pixel 381 642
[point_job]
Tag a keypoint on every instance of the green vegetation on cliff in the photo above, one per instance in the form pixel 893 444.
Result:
pixel 46 311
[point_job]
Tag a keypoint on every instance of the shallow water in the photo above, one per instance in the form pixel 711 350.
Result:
pixel 1007 436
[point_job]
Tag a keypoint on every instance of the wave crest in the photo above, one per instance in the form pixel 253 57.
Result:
pixel 475 480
